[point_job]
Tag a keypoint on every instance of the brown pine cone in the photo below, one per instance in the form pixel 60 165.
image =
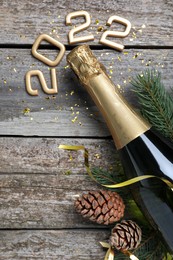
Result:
pixel 126 235
pixel 103 207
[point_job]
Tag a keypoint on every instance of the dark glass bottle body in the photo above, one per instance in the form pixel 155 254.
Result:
pixel 142 151
pixel 148 154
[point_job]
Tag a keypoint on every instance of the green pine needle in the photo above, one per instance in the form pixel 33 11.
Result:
pixel 156 103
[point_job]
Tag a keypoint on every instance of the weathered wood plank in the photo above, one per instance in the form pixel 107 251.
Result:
pixel 36 192
pixel 42 156
pixel 51 245
pixel 23 21
pixel 71 112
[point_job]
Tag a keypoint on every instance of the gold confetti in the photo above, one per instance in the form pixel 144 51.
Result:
pixel 100 29
pixel 66 67
pixel 136 55
pixel 70 157
pixel 74 119
pixel 68 172
pixel 97 156
pixel 26 111
pixel 5 82
pixel 97 21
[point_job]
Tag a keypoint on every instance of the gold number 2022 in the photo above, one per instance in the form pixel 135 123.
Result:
pixel 72 40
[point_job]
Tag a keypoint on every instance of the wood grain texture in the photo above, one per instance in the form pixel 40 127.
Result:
pixel 71 112
pixel 36 192
pixel 42 156
pixel 51 245
pixel 23 21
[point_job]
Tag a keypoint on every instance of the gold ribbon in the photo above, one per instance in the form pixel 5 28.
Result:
pixel 110 252
pixel 117 185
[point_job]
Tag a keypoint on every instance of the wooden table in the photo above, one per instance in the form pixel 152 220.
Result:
pixel 37 191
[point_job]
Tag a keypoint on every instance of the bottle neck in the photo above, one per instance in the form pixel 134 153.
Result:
pixel 123 122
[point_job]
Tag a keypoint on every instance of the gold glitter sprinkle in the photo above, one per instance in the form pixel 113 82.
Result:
pixel 119 58
pixel 118 86
pixel 74 119
pixel 66 67
pixel 5 82
pixel 68 172
pixel 97 21
pixel 72 92
pixel 143 26
pixel 71 108
pixel 14 70
pixel 100 29
pixel 125 81
pixel 97 156
pixel 135 56
pixel 26 111
pixel 125 52
pixel 111 71
pixel 134 35
pixel 77 113
pixel 70 157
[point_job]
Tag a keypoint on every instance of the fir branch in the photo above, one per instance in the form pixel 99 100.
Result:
pixel 156 103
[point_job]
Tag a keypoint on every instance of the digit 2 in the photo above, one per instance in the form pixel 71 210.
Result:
pixel 109 43
pixel 79 28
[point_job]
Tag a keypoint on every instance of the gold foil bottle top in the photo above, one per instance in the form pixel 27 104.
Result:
pixel 84 63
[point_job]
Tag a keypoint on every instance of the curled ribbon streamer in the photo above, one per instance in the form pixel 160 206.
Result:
pixel 117 185
pixel 110 252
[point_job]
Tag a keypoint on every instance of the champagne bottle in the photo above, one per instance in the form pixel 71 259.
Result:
pixel 141 150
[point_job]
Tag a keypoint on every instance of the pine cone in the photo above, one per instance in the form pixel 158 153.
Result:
pixel 103 207
pixel 126 235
